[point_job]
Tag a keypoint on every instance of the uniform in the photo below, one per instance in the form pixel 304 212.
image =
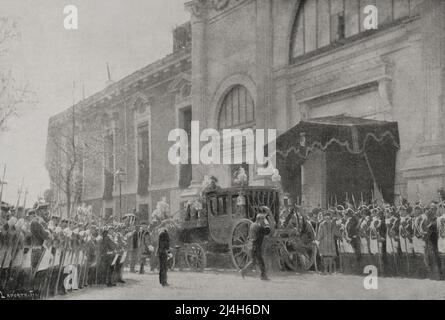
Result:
pixel 419 233
pixel 441 240
pixel 257 232
pixel 432 259
pixel 108 252
pixel 353 239
pixel 393 244
pixel 163 249
pixel 406 244
pixel 364 234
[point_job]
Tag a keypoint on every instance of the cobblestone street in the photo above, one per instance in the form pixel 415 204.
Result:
pixel 229 285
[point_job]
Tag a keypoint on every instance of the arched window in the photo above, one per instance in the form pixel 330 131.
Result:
pixel 237 109
pixel 320 23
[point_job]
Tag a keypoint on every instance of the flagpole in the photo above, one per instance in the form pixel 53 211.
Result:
pixel 24 200
pixel 19 194
pixel 2 183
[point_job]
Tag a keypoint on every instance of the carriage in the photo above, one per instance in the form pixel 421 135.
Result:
pixel 220 226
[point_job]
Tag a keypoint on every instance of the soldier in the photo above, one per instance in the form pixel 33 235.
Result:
pixel 364 229
pixel 144 247
pixel 432 259
pixel 419 229
pixel 18 255
pixel 406 239
pixel 11 240
pixel 257 231
pixel 163 251
pixel 392 239
pixel 39 235
pixel 353 239
pixel 338 220
pixel 375 239
pixel 441 233
pixel 121 248
pixel 326 242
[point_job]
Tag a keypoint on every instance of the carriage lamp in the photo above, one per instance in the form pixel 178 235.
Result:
pixel 241 200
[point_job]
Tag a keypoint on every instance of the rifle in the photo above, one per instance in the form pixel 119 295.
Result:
pixel 51 273
pixel 407 256
pixel 61 264
pixel 47 281
pixel 394 254
pixel 14 252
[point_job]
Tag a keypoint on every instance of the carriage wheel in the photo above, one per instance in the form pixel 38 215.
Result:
pixel 238 245
pixel 296 256
pixel 195 257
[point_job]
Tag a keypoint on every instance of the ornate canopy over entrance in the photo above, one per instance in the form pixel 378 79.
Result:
pixel 359 154
pixel 349 133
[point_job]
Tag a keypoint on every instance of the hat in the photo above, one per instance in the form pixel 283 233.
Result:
pixel 328 213
pixel 418 206
pixel 12 221
pixel 30 213
pixel 340 208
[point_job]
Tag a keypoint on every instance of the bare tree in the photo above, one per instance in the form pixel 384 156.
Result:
pixel 12 95
pixel 71 145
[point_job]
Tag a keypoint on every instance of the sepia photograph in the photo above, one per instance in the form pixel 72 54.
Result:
pixel 237 152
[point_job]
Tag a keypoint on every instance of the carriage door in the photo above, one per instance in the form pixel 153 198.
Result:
pixel 220 219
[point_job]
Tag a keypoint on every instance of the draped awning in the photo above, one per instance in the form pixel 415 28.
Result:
pixel 349 133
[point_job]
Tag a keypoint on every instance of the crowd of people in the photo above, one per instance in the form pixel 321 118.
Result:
pixel 405 240
pixel 43 253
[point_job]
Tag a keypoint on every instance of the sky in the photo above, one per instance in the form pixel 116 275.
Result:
pixel 126 34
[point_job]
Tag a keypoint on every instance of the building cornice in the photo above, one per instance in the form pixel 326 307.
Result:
pixel 157 71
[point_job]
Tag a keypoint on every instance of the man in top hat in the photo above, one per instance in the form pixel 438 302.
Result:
pixel 108 252
pixel 257 231
pixel 163 252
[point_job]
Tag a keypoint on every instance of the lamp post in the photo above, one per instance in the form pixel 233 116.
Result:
pixel 120 173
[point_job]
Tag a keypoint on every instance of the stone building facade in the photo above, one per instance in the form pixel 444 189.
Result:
pixel 271 64
pixel 116 129
pixel 307 59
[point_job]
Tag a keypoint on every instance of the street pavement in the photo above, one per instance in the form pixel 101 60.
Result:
pixel 228 285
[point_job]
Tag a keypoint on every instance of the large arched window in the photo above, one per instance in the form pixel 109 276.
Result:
pixel 320 23
pixel 237 109
pixel 237 112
